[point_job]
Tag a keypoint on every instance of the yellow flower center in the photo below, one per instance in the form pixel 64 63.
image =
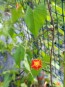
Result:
pixel 36 63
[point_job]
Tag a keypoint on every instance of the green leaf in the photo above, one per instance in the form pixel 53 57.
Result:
pixel 11 32
pixel 61 31
pixel 7 80
pixel 23 85
pixel 35 72
pixel 35 18
pixel 46 57
pixel 2 46
pixel 59 9
pixel 30 78
pixel 26 64
pixel 16 14
pixel 19 54
pixel 27 67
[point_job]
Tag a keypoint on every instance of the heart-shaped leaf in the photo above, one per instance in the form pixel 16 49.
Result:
pixel 35 18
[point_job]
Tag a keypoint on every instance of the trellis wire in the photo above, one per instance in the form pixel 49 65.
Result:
pixel 55 12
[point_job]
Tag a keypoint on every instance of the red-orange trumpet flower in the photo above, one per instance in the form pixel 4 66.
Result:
pixel 36 64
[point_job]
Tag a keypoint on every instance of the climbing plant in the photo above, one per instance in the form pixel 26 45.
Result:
pixel 32 32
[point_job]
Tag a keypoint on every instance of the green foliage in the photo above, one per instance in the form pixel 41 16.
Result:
pixel 23 85
pixel 26 64
pixel 16 14
pixel 7 80
pixel 64 68
pixel 46 57
pixel 11 32
pixel 19 54
pixel 58 9
pixel 61 31
pixel 2 46
pixel 35 18
pixel 35 72
pixel 27 67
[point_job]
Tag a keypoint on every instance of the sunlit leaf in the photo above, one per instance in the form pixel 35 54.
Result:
pixel 26 63
pixel 61 31
pixel 45 56
pixel 35 18
pixel 23 85
pixel 27 67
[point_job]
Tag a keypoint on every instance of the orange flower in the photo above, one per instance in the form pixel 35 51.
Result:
pixel 58 84
pixel 36 64
pixel 18 5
